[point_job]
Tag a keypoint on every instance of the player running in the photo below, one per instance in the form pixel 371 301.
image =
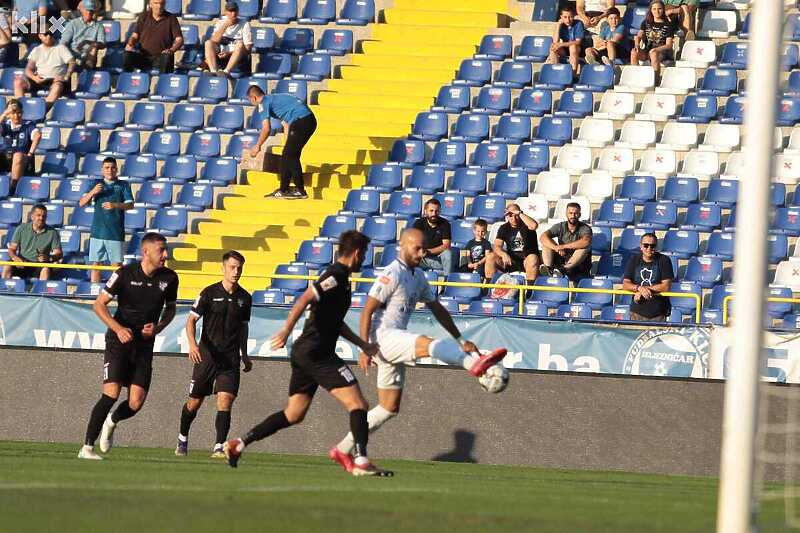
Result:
pixel 142 290
pixel 314 360
pixel 225 309
pixel 384 320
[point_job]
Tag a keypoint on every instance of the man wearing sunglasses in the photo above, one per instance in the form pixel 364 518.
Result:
pixel 647 275
pixel 516 248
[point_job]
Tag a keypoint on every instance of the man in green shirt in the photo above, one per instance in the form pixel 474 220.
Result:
pixel 33 242
pixel 84 35
pixel 111 198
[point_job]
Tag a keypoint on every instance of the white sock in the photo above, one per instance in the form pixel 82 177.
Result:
pixel 88 448
pixel 376 417
pixel 182 438
pixel 361 460
pixel 449 351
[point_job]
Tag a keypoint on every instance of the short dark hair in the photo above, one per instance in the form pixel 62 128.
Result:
pixel 433 201
pixel 111 160
pixel 649 234
pixel 613 11
pixel 39 206
pixel 566 8
pixel 575 205
pixel 481 223
pixel 152 236
pixel 233 254
pixel 254 89
pixel 352 240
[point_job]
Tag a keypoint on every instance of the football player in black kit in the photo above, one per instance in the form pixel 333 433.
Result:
pixel 314 360
pixel 143 290
pixel 225 310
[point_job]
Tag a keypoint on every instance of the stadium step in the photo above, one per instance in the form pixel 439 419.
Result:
pixel 395 15
pixel 430 34
pixel 313 180
pixel 364 87
pixel 388 102
pixel 350 141
pixel 364 128
pixel 405 61
pixel 387 48
pixel 282 207
pixel 350 72
pixel 449 6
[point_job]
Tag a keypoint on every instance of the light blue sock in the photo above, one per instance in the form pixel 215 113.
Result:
pixel 450 352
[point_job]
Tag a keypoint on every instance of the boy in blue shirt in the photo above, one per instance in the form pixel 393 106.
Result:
pixel 567 39
pixel 609 43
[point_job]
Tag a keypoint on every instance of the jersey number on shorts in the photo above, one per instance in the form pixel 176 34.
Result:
pixel 347 374
pixel 191 386
pixel 105 371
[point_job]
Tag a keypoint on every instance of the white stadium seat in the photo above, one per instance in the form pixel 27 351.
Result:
pixel 595 133
pixel 657 107
pixel 680 136
pixel 586 207
pixel 553 184
pixel 718 24
pixel 701 165
pixel 734 167
pixel 788 274
pixel 794 142
pixel 616 161
pixel 617 106
pixel 597 186
pixel 535 206
pixel 721 138
pixel 787 168
pixel 659 163
pixel 637 134
pixel 677 80
pixel 636 79
pixel 697 54
pixel 574 159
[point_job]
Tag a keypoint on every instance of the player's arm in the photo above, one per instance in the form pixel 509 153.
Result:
pixel 101 310
pixel 443 317
pixel 280 338
pixel 350 335
pixel 191 336
pixel 247 363
pixel 166 317
pixel 364 326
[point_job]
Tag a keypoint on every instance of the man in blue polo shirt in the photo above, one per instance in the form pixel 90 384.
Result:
pixel 299 125
pixel 111 199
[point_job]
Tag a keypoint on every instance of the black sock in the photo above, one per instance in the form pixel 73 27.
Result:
pixel 272 424
pixel 360 430
pixel 98 416
pixel 122 412
pixel 223 425
pixel 187 417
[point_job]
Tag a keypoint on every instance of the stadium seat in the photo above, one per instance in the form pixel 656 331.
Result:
pixel 595 301
pixel 449 155
pixel 575 104
pixel 7 77
pixel 428 179
pixel 534 48
pixel 489 207
pixel 658 216
pixel 357 13
pixel 657 107
pixel 335 225
pixel 296 88
pixel 636 79
pixel 535 309
pixel 154 194
pixel 203 145
pixel 179 169
pixel 777 247
pixel 683 304
pixel 195 197
pixel 659 163
pixel 405 204
pixel 264 38
pixel 597 186
pixel 616 161
pixel 787 221
pixel 680 243
pixel 202 10
pixel 93 84
pixel 219 171
pixel 601 240
pixel 226 119
pixel 777 194
pixel 122 143
pixel 698 54
pixel 107 115
pixel 474 73
pixel 146 117
pixel 611 266
pixel 49 288
pixel 80 219
pixel 471 127
pixel 67 113
pixel 290 286
pixel 186 118
pixel 615 213
pixel 553 131
pixel 162 144
pixel 512 130
pixel 279 11
pixel 514 74
pixel 380 230
pixel 787 168
pixel 510 183
pixel 58 165
pixel 790 56
pixel 534 102
pixel 553 184
pixel 493 100
pixel 385 177
pixel 491 156
pixel 628 241
pixel 595 133
pixel 698 109
pixel 318 12
pixel 723 192
pixel 734 55
pixel 135 219
pixel 69 191
pixel 209 90
pixel 273 66
pixel 388 255
pixel 171 88
pixel 614 105
pixel 495 47
pixel 551 298
pixel 269 297
pixel 33 189
pixel 779 309
pixel 83 141
pixel 50 140
pixel 452 99
pixel 33 109
pixel 788 111
pixel 430 126
pixel 718 82
pixel 704 165
pixel 677 80
pixel 636 134
pixel 535 206
pixel 721 138
pixel 486 306
pixel 733 113
pixel 574 159
pixel 461 232
pixel 469 181
pixel 533 158
pixel 336 42
pixel 452 205
pixel 169 221
pixel 463 295
pixel 139 168
pixel 132 86
pixel 702 217
pixel 363 201
pixel 718 23
pixel 705 271
pixel 297 41
pixel 407 152
pixel 555 77
pixel 596 78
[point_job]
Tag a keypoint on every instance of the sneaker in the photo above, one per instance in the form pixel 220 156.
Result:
pixel 277 193
pixel 690 36
pixel 344 459
pixel 590 59
pixel 298 193
pixel 87 452
pixel 545 270
pixel 107 435
pixel 232 451
pixel 219 452
pixel 557 272
pixel 480 366
pixel 606 61
pixel 182 449
pixel 370 469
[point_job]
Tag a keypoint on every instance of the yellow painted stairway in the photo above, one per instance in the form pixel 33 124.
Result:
pixel 404 63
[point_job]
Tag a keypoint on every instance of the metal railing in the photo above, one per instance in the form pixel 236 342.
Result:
pixel 726 300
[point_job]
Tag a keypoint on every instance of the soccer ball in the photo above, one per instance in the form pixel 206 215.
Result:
pixel 495 379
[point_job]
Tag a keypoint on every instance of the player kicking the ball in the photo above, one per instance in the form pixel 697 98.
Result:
pixel 384 320
pixel 314 360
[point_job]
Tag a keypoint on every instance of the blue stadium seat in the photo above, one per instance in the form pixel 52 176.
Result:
pixel 452 205
pixel 450 304
pixel 734 55
pixel 601 240
pixel 658 216
pixel 534 48
pixel 512 129
pixel 405 204
pixel 490 207
pixel 112 31
pixel 91 166
pixel 83 141
pixel 146 116
pixel 474 73
pixel 7 77
pixel 10 214
pixel 535 309
pixel 788 112
pixel 33 189
pixel 628 241
pixel 336 42
pixel 510 183
pixel 357 13
pixel 718 82
pixel 389 254
pixel 486 306
pixel 495 47
pixel 315 254
pixel 203 145
pixel 209 90
pixel 273 66
pixel 551 298
pixel 493 100
pixel 698 109
pixel 313 67
pixel 93 84
pixel 195 196
pixel 135 219
pixel 220 171
pixel 139 168
pixel 385 177
pixel 279 11
pixel 553 131
pixel 533 158
pixel 132 86
pixel 777 247
pixel 49 287
pixel 461 232
pixel 202 10
pixel 612 266
pixel 779 309
pixel 718 294
pixel 463 295
pixel 69 191
pixel 407 152
pixel 514 74
pixel 248 9
pixel 155 194
pixel 171 88
pixel 429 126
pixel 428 179
pixel 186 118
pixel 491 156
pixel 777 194
pixel 240 88
pixel 290 286
pixel 554 77
pixel 180 168
pixel 269 297
pixel 787 220
pixel 744 31
pixel 596 78
pixel 638 189
pixel 363 201
pixel 471 127
pixel 734 111
pixel 575 104
pixel 169 221
pixel 70 241
pixel 297 41
pixel 452 99
pixel 793 84
pixel 226 119
pixel 318 12
pixel 264 38
pixel 107 115
pixel 633 19
pixel 705 271
pixel 163 144
pixel 50 140
pixel 615 313
pixel 67 113
pixel 722 192
pixel 296 88
pixel 469 181
pixel 680 243
pixel 33 109
pixel 615 213
pixel 122 143
pixel 682 304
pixel 81 218
pixel 449 155
pixel 87 288
pixel 238 143
pixel 335 225
pixel 58 164
pixel 595 301
pixel 191 35
pixel 681 190
pixel 790 56
pixel 381 230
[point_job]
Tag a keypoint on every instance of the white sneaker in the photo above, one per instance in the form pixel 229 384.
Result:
pixel 218 452
pixel 107 435
pixel 87 452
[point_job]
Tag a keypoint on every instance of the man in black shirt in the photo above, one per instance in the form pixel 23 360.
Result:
pixel 516 248
pixel 479 249
pixel 314 360
pixel 436 232
pixel 647 275
pixel 225 309
pixel 142 290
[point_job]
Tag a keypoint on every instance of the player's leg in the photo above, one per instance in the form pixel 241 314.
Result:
pixel 200 386
pixel 391 376
pixel 98 415
pixel 188 414
pixel 353 400
pixel 222 422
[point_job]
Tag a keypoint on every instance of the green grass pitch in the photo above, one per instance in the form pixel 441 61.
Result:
pixel 44 487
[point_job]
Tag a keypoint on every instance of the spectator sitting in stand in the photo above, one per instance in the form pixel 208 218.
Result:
pixel 231 41
pixel 158 36
pixel 50 67
pixel 84 35
pixel 436 230
pixel 572 254
pixel 33 242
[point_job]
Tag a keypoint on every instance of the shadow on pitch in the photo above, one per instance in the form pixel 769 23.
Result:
pixel 462 448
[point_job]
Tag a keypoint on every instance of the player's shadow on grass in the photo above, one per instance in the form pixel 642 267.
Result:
pixel 462 448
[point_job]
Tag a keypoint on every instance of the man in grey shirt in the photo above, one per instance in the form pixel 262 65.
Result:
pixel 85 35
pixel 572 254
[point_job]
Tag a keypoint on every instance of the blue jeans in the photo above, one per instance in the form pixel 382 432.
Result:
pixel 443 261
